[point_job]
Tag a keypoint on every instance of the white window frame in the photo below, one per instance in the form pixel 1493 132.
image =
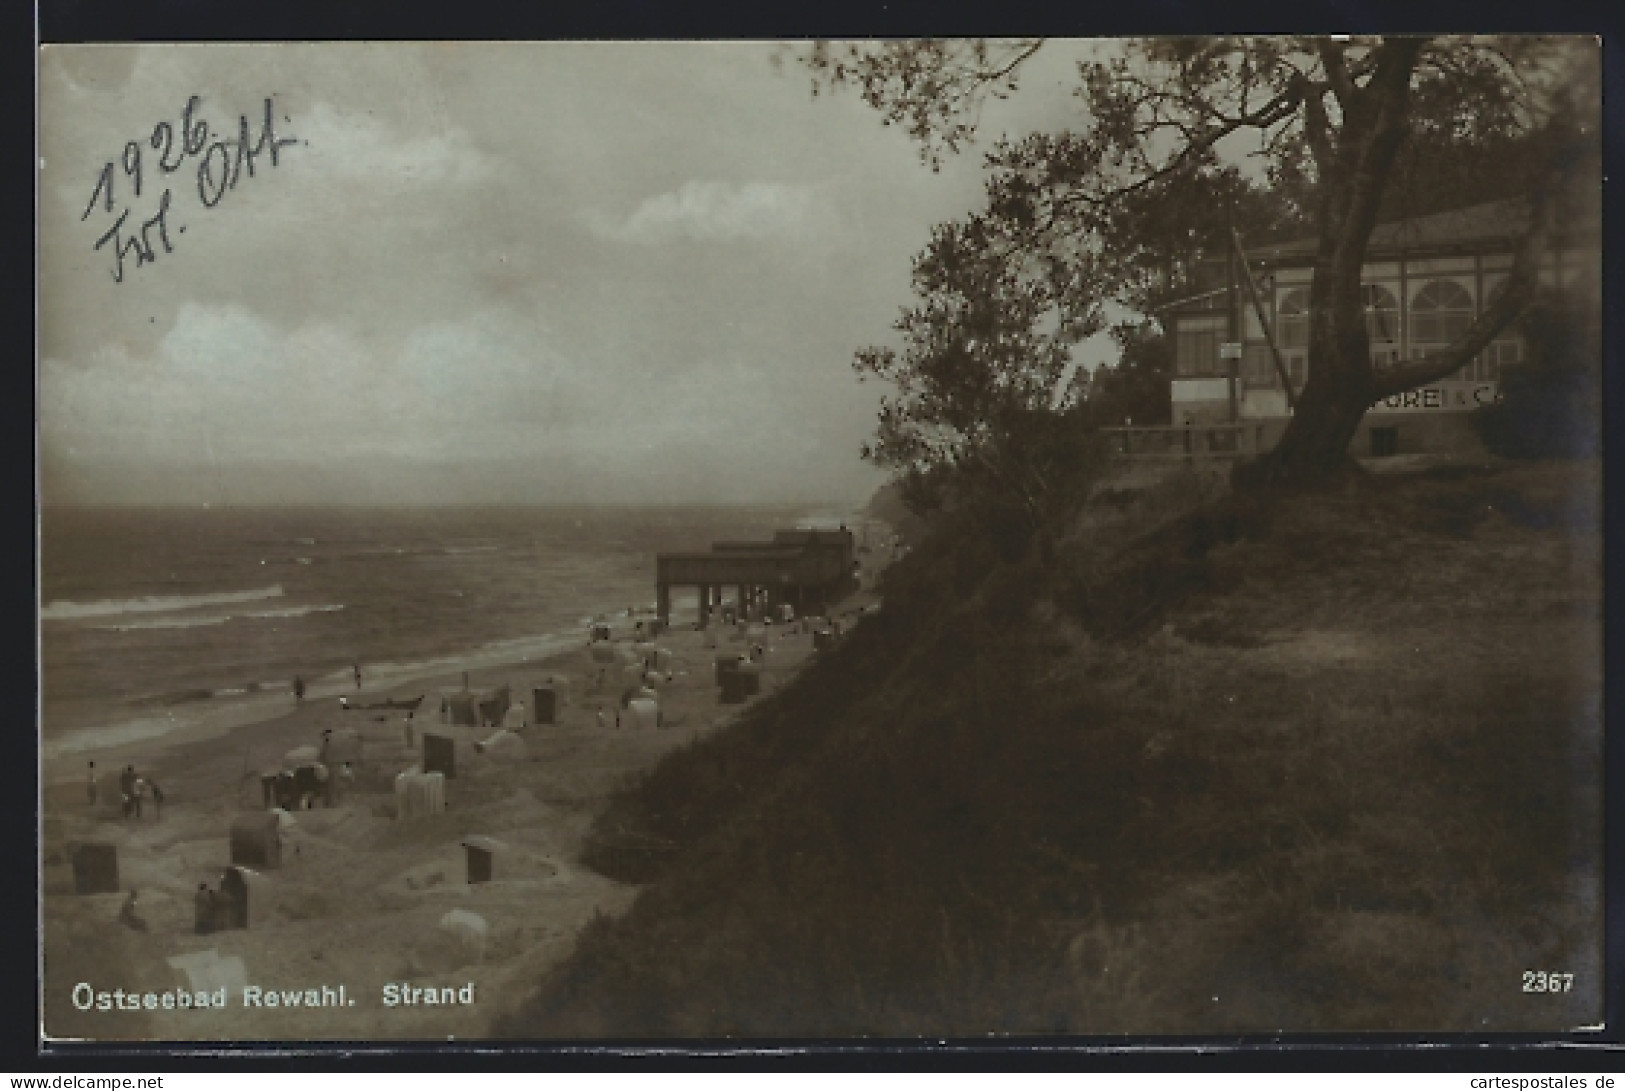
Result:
pixel 1292 316
pixel 1417 317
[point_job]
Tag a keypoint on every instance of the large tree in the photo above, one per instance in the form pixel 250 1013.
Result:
pixel 1006 291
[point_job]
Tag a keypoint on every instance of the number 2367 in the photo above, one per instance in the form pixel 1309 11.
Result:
pixel 1540 981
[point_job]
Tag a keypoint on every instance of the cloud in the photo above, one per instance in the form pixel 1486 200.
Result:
pixel 226 386
pixel 359 147
pixel 103 69
pixel 722 212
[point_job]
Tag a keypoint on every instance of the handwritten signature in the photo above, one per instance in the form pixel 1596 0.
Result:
pixel 219 161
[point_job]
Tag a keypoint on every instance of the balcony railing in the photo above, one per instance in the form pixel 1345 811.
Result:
pixel 1187 442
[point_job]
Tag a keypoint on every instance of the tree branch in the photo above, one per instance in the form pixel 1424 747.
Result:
pixel 1317 129
pixel 1271 113
pixel 1022 53
pixel 1337 73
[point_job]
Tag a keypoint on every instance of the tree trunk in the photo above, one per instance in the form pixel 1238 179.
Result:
pixel 1315 445
pixel 1353 171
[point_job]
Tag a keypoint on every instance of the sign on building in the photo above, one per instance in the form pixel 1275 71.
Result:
pixel 1230 350
pixel 1445 396
pixel 1199 390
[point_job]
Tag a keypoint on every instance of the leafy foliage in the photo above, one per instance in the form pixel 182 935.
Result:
pixel 985 345
pixel 1154 237
pixel 1135 389
pixel 1551 402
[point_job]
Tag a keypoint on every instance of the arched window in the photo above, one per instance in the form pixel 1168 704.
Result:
pixel 1441 311
pixel 1292 319
pixel 1292 330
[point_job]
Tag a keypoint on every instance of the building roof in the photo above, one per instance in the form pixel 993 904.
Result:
pixel 752 547
pixel 768 551
pixel 1492 224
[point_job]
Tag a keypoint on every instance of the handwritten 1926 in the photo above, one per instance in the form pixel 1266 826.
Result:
pixel 218 161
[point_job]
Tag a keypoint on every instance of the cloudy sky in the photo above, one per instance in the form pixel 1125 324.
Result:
pixel 527 273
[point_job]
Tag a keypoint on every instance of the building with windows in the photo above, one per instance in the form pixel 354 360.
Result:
pixel 1424 282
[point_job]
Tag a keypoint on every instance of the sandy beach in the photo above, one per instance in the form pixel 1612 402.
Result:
pixel 359 895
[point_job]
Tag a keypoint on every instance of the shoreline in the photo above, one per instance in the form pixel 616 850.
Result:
pixel 255 716
pixel 239 711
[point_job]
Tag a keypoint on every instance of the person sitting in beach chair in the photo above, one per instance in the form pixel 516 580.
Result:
pixel 203 910
pixel 142 791
pixel 228 909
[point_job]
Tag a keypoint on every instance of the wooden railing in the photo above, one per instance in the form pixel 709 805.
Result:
pixel 1190 442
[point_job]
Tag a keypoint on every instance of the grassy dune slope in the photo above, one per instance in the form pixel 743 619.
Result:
pixel 1333 766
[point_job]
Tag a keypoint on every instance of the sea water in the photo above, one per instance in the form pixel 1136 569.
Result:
pixel 154 619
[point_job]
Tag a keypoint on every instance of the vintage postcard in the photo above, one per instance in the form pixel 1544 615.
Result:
pixel 627 540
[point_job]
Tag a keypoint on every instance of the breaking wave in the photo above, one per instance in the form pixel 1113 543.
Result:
pixel 194 622
pixel 152 604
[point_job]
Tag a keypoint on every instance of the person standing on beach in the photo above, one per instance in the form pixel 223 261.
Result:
pixel 358 676
pixel 91 786
pixel 407 728
pixel 126 784
pixel 157 799
pixel 129 916
pixel 299 689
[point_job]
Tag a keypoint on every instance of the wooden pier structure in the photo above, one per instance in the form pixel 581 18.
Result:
pixel 806 569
